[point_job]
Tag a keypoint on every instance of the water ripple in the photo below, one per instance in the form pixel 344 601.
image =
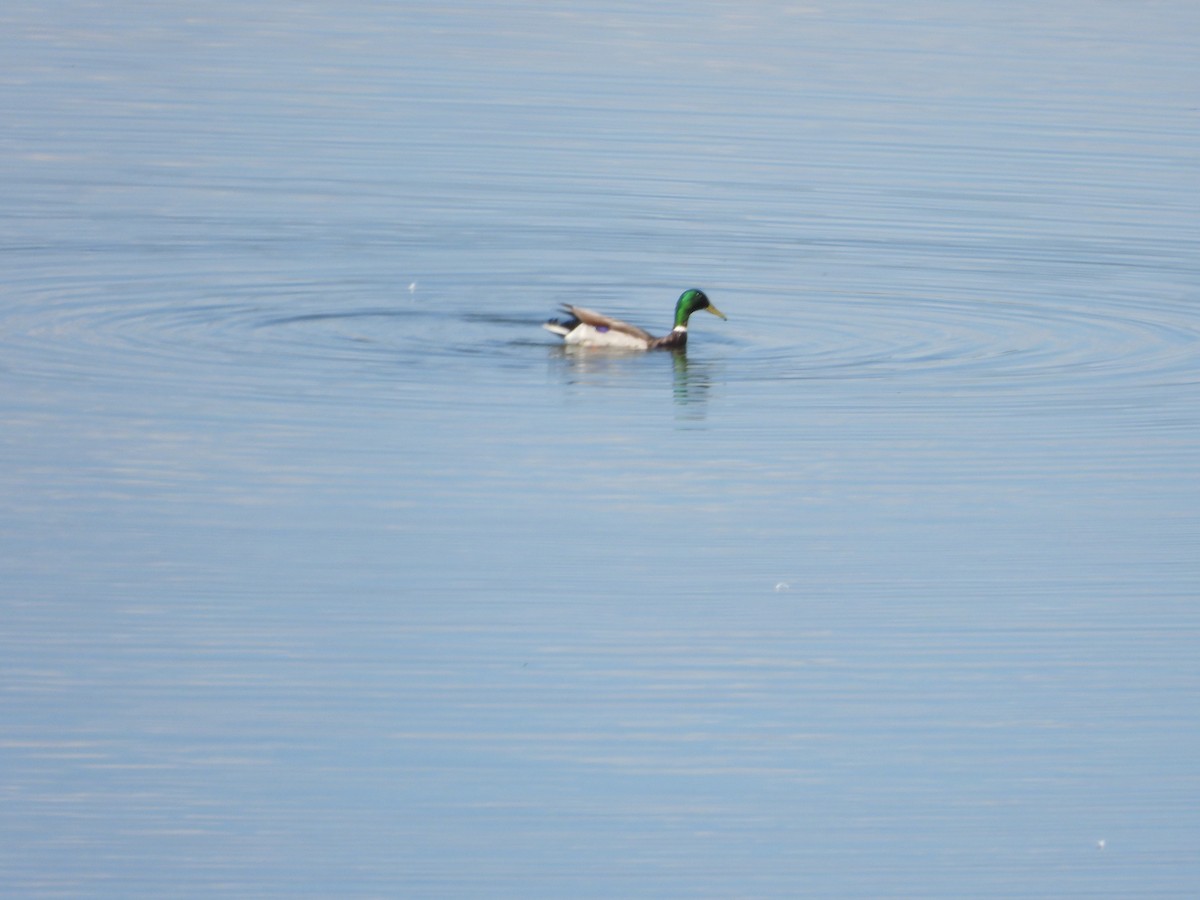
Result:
pixel 277 337
pixel 999 344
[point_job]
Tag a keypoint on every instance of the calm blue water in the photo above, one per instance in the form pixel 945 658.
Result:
pixel 327 572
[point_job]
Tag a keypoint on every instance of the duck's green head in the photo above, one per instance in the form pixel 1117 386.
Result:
pixel 693 301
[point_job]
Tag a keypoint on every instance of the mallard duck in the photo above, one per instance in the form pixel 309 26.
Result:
pixel 586 328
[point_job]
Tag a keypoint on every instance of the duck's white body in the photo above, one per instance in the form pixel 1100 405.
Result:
pixel 588 335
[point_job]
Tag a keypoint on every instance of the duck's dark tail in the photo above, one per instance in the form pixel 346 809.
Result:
pixel 562 327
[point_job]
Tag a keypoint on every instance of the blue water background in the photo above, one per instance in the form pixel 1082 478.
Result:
pixel 327 572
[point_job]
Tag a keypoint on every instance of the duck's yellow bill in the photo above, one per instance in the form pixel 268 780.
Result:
pixel 716 312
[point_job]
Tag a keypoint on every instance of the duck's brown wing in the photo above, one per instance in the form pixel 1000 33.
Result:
pixel 596 320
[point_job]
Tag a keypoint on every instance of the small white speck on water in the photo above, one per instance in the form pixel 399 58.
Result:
pixel 782 586
pixel 412 287
pixel 1101 844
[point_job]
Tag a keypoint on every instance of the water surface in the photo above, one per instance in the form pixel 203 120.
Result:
pixel 328 572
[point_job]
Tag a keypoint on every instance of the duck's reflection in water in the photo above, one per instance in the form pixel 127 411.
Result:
pixel 692 382
pixel 690 379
